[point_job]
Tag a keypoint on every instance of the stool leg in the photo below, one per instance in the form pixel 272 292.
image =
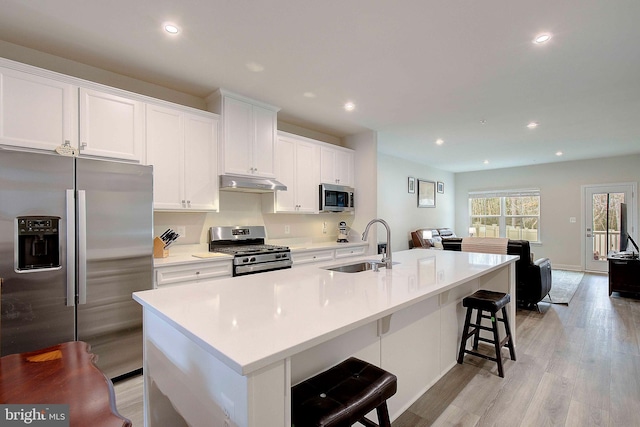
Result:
pixel 383 415
pixel 477 334
pixel 496 344
pixel 465 330
pixel 507 328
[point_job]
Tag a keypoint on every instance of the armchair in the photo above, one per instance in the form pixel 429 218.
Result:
pixel 533 278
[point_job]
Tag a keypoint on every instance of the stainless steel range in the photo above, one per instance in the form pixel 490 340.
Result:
pixel 250 253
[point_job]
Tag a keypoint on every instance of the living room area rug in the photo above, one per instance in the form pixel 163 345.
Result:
pixel 564 285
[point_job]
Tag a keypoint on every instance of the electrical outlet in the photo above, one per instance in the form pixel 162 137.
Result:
pixel 324 227
pixel 181 230
pixel 227 407
pixel 287 229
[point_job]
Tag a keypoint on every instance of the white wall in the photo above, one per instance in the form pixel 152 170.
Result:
pixel 560 187
pixel 82 71
pixel 366 177
pixel 400 208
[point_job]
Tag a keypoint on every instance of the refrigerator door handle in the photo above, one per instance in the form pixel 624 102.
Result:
pixel 71 248
pixel 82 247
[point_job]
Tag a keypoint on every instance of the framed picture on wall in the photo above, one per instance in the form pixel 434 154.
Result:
pixel 426 194
pixel 440 187
pixel 411 185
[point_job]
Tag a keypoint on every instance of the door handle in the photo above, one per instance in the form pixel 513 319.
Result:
pixel 82 247
pixel 71 248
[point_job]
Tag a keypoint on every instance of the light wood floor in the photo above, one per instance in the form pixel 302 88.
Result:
pixel 577 365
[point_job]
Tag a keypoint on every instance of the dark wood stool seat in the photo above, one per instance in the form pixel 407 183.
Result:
pixel 62 374
pixel 343 395
pixel 491 302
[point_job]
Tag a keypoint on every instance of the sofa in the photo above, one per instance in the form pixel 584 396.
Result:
pixel 418 239
pixel 533 278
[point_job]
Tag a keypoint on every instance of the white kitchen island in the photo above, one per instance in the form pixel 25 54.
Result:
pixel 226 353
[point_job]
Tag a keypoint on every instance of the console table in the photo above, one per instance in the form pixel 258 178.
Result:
pixel 624 275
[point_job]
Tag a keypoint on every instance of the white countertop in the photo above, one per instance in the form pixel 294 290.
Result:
pixel 193 254
pixel 190 258
pixel 249 322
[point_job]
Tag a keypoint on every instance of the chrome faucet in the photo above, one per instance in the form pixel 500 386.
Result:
pixel 387 256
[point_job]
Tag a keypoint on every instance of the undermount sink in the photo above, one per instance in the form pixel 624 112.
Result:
pixel 357 267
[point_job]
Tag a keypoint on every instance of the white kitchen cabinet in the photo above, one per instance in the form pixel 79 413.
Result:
pixel 182 147
pixel 297 168
pixel 351 251
pixel 111 126
pixel 36 111
pixel 309 257
pixel 337 166
pixel 190 273
pixel 248 135
pixel 201 155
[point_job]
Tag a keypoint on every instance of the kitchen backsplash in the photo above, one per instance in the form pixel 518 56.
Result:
pixel 246 209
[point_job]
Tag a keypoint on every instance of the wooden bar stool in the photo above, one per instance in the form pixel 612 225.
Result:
pixel 491 302
pixel 343 395
pixel 62 374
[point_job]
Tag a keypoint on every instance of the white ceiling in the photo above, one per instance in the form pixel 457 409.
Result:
pixel 417 70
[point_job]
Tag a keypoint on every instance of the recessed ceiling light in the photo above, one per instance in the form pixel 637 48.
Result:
pixel 171 28
pixel 255 67
pixel 532 125
pixel 309 95
pixel 542 38
pixel 486 162
pixel 559 153
pixel 349 106
pixel 483 122
pixel 439 141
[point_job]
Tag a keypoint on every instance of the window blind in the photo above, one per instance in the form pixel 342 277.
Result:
pixel 531 192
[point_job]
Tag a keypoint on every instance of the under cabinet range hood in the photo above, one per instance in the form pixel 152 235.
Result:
pixel 250 184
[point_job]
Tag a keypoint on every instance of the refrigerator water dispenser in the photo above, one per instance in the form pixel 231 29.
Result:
pixel 38 243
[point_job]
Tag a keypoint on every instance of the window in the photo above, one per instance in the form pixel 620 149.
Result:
pixel 512 214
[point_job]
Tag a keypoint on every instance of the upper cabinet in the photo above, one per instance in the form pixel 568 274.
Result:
pixel 42 110
pixel 297 168
pixel 182 147
pixel 37 112
pixel 249 130
pixel 336 166
pixel 111 126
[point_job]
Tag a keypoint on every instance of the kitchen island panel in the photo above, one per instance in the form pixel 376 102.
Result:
pixel 363 343
pixel 184 384
pixel 410 350
pixel 241 343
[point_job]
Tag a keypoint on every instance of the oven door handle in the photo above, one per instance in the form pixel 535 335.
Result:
pixel 263 266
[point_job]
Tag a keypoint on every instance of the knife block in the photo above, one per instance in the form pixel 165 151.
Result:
pixel 158 249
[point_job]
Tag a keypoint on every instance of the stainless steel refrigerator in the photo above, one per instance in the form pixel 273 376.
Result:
pixel 75 243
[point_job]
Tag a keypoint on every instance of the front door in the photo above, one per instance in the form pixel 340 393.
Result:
pixel 602 227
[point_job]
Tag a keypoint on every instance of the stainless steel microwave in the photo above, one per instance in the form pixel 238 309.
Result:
pixel 336 198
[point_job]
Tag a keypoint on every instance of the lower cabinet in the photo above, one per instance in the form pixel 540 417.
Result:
pixel 303 257
pixel 190 273
pixel 349 252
